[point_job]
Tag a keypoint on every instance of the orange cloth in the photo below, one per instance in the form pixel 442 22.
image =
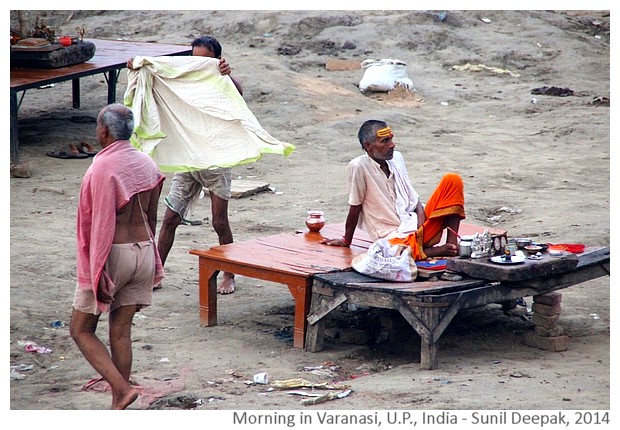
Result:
pixel 447 199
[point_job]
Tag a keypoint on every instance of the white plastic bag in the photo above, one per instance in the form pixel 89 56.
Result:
pixel 385 261
pixel 383 76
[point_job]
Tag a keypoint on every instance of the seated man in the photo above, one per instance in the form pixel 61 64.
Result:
pixel 384 203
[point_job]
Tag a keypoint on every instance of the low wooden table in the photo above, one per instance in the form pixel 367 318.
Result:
pixel 110 57
pixel 289 258
pixel 292 259
pixel 430 306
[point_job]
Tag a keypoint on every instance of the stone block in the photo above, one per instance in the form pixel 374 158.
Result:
pixel 556 330
pixel 548 310
pixel 546 321
pixel 20 170
pixel 554 344
pixel 549 298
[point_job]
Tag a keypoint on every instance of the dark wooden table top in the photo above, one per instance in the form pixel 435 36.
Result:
pixel 109 55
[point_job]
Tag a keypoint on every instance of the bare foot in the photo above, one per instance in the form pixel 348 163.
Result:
pixel 157 287
pixel 228 284
pixel 126 399
pixel 445 250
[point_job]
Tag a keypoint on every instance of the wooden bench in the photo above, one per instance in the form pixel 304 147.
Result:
pixel 430 306
pixel 292 259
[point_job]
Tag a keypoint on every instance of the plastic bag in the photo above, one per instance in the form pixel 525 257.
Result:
pixel 383 76
pixel 385 261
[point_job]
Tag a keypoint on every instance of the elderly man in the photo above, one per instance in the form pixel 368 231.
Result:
pixel 384 203
pixel 117 259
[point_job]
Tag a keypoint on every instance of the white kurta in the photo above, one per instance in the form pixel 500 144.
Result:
pixel 388 204
pixel 188 116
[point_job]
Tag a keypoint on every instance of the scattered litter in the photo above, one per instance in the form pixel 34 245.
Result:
pixel 601 101
pixel 33 347
pixel 16 375
pixel 534 101
pixel 441 16
pixel 15 370
pixel 304 383
pixel 595 317
pixel 23 367
pixel 486 20
pixel 305 393
pixel 509 210
pixel 57 324
pixel 261 378
pixel 326 397
pixel 480 67
pixel 553 91
pixel 444 103
pixel 42 87
pixel 164 360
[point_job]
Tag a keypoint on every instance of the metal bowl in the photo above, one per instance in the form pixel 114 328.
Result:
pixel 533 249
pixel 522 242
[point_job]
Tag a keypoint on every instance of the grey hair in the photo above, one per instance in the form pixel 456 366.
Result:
pixel 118 119
pixel 368 129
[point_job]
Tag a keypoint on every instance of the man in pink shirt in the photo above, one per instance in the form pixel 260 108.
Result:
pixel 117 259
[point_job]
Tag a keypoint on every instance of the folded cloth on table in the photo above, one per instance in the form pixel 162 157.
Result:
pixel 575 248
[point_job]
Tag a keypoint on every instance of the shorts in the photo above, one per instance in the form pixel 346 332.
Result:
pixel 131 266
pixel 187 186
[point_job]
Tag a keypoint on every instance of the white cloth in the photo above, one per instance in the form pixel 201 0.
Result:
pixel 406 196
pixel 188 116
pixel 387 203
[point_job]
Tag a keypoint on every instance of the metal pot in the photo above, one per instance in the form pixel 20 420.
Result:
pixel 465 249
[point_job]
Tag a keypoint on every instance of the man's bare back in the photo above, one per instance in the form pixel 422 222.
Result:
pixel 130 221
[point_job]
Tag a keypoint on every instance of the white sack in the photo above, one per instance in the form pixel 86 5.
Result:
pixel 384 75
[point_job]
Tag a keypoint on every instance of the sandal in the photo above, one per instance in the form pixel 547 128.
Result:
pixel 71 151
pixel 87 148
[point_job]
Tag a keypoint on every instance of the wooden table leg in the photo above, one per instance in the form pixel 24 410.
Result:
pixel 207 293
pixel 320 307
pixel 429 320
pixel 302 295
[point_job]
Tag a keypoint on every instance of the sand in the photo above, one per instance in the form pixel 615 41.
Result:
pixel 534 165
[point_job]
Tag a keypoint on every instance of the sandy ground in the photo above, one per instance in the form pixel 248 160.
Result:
pixel 534 165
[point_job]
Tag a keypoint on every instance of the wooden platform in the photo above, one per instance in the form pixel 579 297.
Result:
pixel 430 306
pixel 292 259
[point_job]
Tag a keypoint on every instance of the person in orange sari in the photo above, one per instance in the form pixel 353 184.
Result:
pixel 383 202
